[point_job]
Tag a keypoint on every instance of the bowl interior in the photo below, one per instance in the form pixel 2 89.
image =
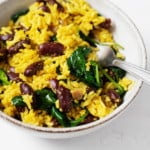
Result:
pixel 124 33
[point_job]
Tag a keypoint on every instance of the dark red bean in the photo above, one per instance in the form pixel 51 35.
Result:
pixel 19 45
pixel 27 41
pixel 90 89
pixel 33 68
pixel 20 109
pixel 40 1
pixel 13 76
pixel 45 8
pixel 52 28
pixel 55 122
pixel 65 98
pixel 21 27
pixel 54 84
pixel 111 74
pixel 17 116
pixel 3 53
pixel 59 6
pixel 88 119
pixel 106 24
pixel 114 96
pixel 51 49
pixel 63 94
pixel 11 69
pixel 26 89
pixel 52 2
pixel 6 37
pixel 34 103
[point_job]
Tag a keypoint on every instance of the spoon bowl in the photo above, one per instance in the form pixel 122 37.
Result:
pixel 106 57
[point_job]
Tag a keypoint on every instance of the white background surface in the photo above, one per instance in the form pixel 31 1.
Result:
pixel 130 131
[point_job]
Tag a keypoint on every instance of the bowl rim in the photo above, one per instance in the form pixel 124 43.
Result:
pixel 99 122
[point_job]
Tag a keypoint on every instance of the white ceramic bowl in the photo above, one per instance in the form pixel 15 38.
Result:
pixel 125 33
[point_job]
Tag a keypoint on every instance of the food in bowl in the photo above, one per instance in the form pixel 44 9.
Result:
pixel 49 72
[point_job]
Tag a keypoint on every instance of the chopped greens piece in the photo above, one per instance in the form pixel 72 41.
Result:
pixel 94 43
pixel 77 65
pixel 91 41
pixel 45 98
pixel 64 121
pixel 77 61
pixel 16 16
pixel 53 38
pixel 74 123
pixel 18 101
pixel 94 69
pixel 92 77
pixel 118 72
pixel 114 45
pixel 46 101
pixel 3 78
pixel 119 89
pixel 60 116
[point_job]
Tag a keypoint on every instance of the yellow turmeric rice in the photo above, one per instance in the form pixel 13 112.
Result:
pixel 49 74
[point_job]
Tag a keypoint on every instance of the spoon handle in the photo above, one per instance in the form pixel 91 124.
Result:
pixel 133 69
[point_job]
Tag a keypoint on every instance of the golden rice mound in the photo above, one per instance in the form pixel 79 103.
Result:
pixel 9 92
pixel 38 118
pixel 39 26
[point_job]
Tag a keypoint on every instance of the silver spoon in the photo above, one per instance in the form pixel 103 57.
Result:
pixel 106 57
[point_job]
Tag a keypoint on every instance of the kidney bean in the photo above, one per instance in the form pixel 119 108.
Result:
pixel 20 109
pixel 3 53
pixel 53 28
pixel 52 2
pixel 59 6
pixel 54 84
pixel 55 122
pixel 106 24
pixel 45 8
pixel 35 103
pixel 65 98
pixel 11 69
pixel 40 1
pixel 33 68
pixel 6 37
pixel 114 96
pixel 51 49
pixel 26 89
pixel 21 27
pixel 19 45
pixel 13 76
pixel 111 74
pixel 27 41
pixel 63 94
pixel 90 89
pixel 88 119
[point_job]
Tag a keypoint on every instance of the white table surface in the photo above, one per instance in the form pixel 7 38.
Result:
pixel 130 131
